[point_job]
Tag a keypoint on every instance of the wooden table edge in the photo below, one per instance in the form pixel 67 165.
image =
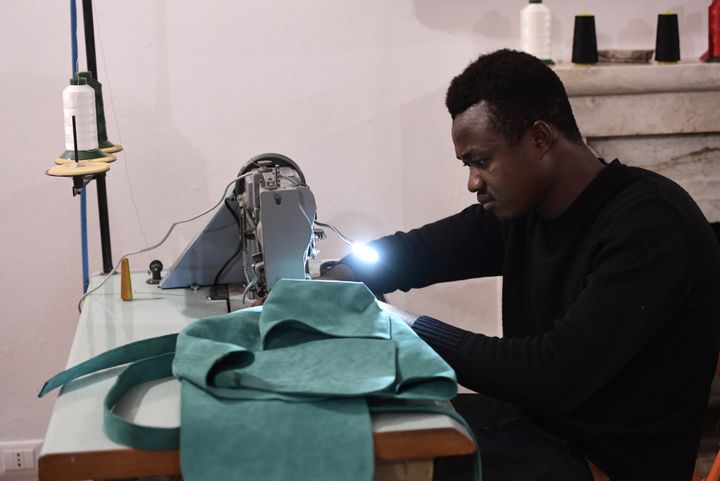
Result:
pixel 415 445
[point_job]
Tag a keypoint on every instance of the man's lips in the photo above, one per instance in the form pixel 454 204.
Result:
pixel 487 201
pixel 485 198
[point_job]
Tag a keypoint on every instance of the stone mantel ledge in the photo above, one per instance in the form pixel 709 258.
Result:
pixel 665 118
pixel 621 79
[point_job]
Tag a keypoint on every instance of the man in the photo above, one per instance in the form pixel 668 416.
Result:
pixel 611 288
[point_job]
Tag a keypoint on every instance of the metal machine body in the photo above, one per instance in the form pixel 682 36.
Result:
pixel 268 236
pixel 277 212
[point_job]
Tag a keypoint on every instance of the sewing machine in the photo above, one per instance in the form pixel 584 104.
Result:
pixel 263 233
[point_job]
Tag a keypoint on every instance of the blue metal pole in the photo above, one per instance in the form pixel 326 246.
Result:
pixel 73 37
pixel 83 197
pixel 84 240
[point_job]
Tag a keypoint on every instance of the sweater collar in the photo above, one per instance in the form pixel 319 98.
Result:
pixel 598 190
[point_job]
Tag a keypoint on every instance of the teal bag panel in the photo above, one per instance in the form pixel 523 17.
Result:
pixel 421 373
pixel 324 307
pixel 210 352
pixel 238 327
pixel 329 367
pixel 231 338
pixel 247 394
pixel 329 440
pixel 334 367
pixel 196 357
pixel 312 363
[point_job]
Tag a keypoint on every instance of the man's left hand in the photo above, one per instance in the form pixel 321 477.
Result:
pixel 405 316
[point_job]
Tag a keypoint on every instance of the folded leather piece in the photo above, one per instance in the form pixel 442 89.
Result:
pixel 324 307
pixel 281 392
pixel 272 440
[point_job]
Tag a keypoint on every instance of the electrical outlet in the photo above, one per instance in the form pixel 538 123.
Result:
pixel 19 457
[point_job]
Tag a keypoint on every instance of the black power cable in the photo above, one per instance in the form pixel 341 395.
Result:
pixel 239 248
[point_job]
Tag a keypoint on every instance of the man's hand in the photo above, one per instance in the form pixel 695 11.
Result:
pixel 406 317
pixel 339 272
pixel 258 302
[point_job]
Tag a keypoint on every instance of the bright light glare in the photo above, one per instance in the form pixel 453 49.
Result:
pixel 365 252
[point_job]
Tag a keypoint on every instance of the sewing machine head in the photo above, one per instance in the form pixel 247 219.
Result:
pixel 262 234
pixel 276 211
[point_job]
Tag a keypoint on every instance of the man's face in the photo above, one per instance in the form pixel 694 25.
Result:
pixel 509 180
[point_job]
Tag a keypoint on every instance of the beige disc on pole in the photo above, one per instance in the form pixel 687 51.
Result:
pixel 78 168
pixel 112 150
pixel 101 160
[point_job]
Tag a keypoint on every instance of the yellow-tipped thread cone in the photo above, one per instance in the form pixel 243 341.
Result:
pixel 125 282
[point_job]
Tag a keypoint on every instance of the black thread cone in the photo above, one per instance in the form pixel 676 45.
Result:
pixel 584 40
pixel 667 40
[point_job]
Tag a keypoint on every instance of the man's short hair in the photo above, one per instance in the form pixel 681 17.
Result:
pixel 519 90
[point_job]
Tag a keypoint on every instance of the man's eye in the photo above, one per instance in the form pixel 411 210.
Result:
pixel 480 163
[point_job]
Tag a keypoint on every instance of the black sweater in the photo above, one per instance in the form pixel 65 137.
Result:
pixel 610 316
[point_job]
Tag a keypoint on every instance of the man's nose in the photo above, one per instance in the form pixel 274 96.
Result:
pixel 475 181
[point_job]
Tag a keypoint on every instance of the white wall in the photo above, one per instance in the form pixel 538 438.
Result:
pixel 352 90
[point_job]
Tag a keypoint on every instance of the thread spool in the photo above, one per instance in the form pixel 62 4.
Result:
pixel 125 282
pixel 584 49
pixel 535 20
pixel 103 143
pixel 667 39
pixel 79 101
pixel 713 51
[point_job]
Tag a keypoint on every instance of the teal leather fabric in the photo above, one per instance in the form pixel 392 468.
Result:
pixel 279 392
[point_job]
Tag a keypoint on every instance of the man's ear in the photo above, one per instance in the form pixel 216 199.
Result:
pixel 542 135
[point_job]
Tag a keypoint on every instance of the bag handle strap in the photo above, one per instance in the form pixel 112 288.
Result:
pixel 114 357
pixel 124 432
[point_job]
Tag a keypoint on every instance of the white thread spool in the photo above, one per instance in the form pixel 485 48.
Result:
pixel 79 100
pixel 535 30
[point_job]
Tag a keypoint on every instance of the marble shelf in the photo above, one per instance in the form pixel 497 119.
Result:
pixel 665 118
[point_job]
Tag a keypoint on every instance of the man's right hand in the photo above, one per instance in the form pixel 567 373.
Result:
pixel 339 272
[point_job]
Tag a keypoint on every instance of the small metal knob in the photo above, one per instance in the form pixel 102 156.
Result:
pixel 155 268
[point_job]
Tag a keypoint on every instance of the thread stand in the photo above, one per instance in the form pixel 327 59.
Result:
pixel 82 174
pixel 90 162
pixel 104 221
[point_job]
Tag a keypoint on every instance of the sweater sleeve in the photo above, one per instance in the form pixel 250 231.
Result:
pixel 641 276
pixel 465 245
